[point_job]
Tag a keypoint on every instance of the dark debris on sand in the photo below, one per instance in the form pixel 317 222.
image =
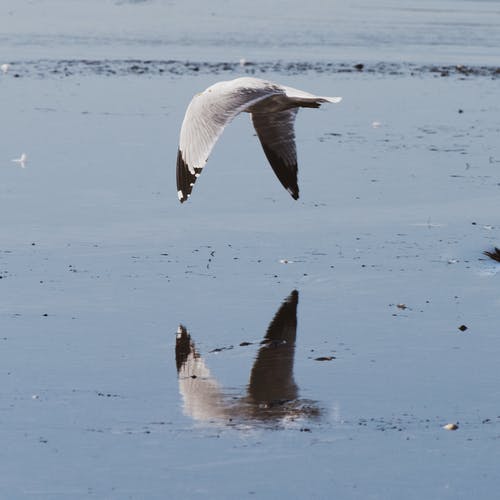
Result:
pixel 84 67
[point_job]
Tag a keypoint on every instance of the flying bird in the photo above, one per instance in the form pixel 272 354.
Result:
pixel 273 108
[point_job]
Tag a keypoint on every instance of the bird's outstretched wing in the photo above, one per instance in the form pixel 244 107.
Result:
pixel 206 117
pixel 277 136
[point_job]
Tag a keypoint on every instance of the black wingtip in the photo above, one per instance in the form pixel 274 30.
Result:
pixel 284 324
pixel 293 297
pixel 185 179
pixel 285 172
pixel 183 346
pixel 495 255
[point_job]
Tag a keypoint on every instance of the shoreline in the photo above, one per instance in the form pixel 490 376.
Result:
pixel 45 68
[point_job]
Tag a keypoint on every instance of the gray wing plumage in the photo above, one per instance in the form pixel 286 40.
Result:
pixel 277 136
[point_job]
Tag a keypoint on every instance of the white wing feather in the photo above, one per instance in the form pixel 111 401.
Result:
pixel 206 117
pixel 209 112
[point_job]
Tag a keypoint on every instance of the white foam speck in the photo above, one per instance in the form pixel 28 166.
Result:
pixel 22 160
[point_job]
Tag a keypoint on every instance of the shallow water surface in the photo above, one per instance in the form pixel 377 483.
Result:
pixel 443 31
pixel 243 343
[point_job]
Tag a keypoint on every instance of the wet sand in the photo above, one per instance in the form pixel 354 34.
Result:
pixel 100 263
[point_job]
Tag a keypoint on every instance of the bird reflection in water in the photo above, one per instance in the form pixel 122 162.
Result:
pixel 271 395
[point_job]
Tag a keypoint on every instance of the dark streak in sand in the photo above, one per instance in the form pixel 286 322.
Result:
pixel 84 67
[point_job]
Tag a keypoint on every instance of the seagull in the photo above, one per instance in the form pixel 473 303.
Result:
pixel 22 160
pixel 5 67
pixel 273 108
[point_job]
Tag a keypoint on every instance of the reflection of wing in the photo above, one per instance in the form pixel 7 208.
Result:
pixel 272 394
pixel 277 136
pixel 200 392
pixel 206 117
pixel 272 373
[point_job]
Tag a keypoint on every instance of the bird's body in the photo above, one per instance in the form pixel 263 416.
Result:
pixel 273 108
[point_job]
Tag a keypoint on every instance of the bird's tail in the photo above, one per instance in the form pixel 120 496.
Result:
pixel 314 102
pixel 334 100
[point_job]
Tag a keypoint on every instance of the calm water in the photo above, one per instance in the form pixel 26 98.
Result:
pixel 451 31
pixel 373 270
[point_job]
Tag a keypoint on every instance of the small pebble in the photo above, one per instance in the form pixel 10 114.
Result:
pixel 462 328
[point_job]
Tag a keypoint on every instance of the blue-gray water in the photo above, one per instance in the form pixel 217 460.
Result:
pixel 457 31
pixel 99 262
